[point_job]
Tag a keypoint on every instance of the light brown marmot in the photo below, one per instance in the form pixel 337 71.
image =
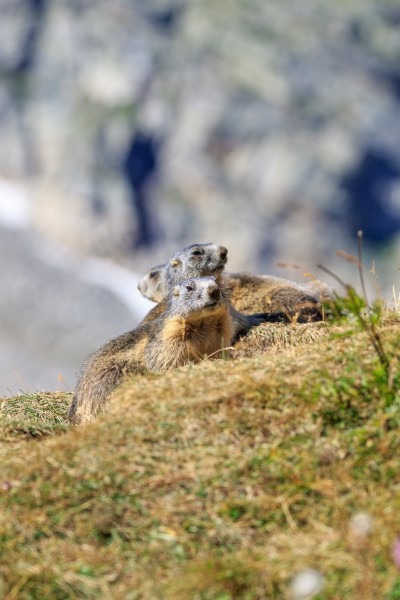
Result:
pixel 302 302
pixel 196 323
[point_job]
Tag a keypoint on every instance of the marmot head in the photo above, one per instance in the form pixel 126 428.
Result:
pixel 198 296
pixel 197 260
pixel 152 285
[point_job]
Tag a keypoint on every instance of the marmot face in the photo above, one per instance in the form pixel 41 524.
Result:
pixel 198 260
pixel 151 286
pixel 196 297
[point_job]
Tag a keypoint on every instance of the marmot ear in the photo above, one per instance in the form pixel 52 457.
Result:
pixel 175 291
pixel 175 262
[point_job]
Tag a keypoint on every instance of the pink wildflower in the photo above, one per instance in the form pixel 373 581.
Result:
pixel 396 552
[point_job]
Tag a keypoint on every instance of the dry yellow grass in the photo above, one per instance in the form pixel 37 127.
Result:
pixel 272 338
pixel 217 481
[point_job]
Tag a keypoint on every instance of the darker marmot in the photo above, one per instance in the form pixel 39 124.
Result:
pixel 196 323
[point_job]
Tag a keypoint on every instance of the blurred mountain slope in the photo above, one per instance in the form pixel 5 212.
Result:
pixel 258 110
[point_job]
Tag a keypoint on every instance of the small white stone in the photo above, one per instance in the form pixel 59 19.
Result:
pixel 15 205
pixel 361 524
pixel 306 584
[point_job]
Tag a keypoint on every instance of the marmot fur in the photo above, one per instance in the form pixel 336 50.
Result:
pixel 266 293
pixel 195 324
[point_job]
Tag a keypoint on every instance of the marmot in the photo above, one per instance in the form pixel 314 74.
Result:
pixel 196 323
pixel 151 285
pixel 302 302
pixel 199 260
pixel 281 299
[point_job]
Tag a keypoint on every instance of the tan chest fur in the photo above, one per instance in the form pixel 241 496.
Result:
pixel 191 340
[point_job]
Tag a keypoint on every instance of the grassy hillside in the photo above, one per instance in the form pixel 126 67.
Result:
pixel 217 481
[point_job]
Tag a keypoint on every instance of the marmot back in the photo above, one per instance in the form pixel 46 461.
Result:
pixel 267 293
pixel 195 324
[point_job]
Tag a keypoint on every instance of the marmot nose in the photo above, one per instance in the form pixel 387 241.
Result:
pixel 214 293
pixel 223 251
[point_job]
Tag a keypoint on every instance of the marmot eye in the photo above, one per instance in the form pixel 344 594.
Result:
pixel 189 288
pixel 196 253
pixel 153 274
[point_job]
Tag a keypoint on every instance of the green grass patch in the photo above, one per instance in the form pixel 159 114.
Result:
pixel 32 416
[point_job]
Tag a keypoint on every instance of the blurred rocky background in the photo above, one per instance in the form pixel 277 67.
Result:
pixel 130 129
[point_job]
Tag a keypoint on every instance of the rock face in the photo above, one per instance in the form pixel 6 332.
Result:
pixel 260 117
